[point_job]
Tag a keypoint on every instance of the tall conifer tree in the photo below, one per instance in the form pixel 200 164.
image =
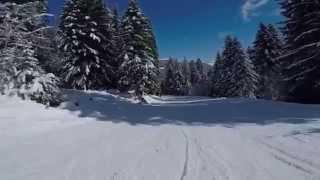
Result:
pixel 236 76
pixel 301 60
pixel 140 68
pixel 195 76
pixel 88 45
pixel 216 77
pixel 266 50
pixel 186 74
pixel 21 72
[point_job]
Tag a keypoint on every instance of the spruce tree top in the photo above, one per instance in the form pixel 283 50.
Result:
pixel 139 35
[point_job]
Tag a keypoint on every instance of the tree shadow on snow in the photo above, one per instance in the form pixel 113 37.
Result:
pixel 228 112
pixel 309 131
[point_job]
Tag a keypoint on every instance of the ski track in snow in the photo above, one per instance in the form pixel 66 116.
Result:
pixel 208 164
pixel 186 158
pixel 63 144
pixel 293 160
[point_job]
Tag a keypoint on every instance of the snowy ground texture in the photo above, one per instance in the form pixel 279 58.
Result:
pixel 107 137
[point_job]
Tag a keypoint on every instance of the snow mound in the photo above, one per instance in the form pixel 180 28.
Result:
pixel 156 100
pixel 18 117
pixel 106 106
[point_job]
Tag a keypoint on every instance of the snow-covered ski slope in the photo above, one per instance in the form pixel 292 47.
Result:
pixel 99 136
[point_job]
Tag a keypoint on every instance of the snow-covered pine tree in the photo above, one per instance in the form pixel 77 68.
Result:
pixel 119 44
pixel 216 77
pixel 36 24
pixel 20 70
pixel 251 53
pixel 47 50
pixel 302 53
pixel 245 76
pixel 87 42
pixel 195 76
pixel 200 68
pixel 153 75
pixel 46 41
pixel 175 82
pixel 267 48
pixel 180 83
pixel 187 75
pixel 168 85
pixel 50 55
pixel 140 68
pixel 44 35
pixel 223 81
pixel 237 78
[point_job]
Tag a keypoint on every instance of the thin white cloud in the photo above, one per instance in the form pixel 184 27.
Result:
pixel 249 8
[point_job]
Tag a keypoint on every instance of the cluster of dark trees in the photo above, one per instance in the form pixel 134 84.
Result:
pixel 95 48
pixel 24 45
pixel 185 78
pixel 301 57
pixel 92 48
pixel 233 74
pixel 236 72
pixel 281 65
pixel 104 51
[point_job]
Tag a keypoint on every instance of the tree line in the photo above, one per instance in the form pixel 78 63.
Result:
pixel 185 78
pixel 95 48
pixel 237 72
pixel 281 65
pixel 92 48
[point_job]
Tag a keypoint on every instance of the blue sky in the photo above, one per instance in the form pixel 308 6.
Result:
pixel 196 28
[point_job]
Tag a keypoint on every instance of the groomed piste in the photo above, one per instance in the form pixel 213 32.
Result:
pixel 98 135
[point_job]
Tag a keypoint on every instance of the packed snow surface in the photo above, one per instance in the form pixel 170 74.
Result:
pixel 99 136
